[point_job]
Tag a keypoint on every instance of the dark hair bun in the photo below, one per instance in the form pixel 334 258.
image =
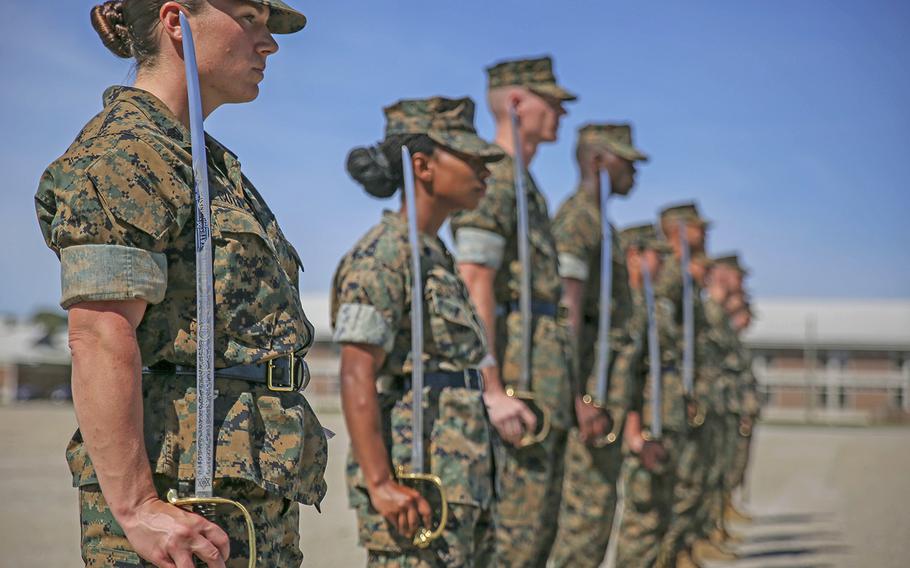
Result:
pixel 370 168
pixel 108 21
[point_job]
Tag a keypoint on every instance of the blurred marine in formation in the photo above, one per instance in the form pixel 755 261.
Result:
pixel 529 472
pixel 591 263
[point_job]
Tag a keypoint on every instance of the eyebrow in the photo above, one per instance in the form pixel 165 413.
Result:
pixel 259 8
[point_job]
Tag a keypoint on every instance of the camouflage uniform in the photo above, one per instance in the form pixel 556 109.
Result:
pixel 589 488
pixel 649 495
pixel 528 480
pixel 117 208
pixel 750 406
pixel 371 305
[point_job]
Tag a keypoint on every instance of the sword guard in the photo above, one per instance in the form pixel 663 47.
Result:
pixel 425 536
pixel 614 434
pixel 543 428
pixel 205 506
pixel 698 419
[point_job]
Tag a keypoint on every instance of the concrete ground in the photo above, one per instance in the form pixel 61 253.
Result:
pixel 837 497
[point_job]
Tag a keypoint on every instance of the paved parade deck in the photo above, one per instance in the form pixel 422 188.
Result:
pixel 837 497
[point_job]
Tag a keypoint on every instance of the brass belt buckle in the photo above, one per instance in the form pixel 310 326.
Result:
pixel 292 368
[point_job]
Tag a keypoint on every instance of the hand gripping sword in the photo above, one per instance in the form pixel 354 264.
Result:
pixel 689 329
pixel 653 357
pixel 602 367
pixel 424 535
pixel 524 392
pixel 202 501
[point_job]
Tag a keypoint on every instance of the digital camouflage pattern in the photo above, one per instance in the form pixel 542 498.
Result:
pixel 371 304
pixel 277 529
pixel 533 74
pixel 117 209
pixel 497 217
pixel 644 236
pixel 371 294
pixel 616 138
pixel 588 503
pixel 528 479
pixel 585 523
pixel 449 122
pixel 686 211
pixel 282 18
pixel 122 194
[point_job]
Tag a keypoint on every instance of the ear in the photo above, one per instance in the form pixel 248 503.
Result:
pixel 169 16
pixel 424 167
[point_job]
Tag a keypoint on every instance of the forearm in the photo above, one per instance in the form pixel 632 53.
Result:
pixel 571 298
pixel 360 404
pixel 107 395
pixel 479 281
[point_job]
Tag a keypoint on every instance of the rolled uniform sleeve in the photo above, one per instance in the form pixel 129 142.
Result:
pixel 370 297
pixel 576 229
pixel 481 234
pixel 110 222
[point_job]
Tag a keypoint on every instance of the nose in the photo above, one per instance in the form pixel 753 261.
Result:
pixel 268 46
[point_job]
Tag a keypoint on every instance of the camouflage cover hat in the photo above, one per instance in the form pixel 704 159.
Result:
pixel 449 122
pixel 643 236
pixel 533 74
pixel 282 18
pixel 616 137
pixel 687 211
pixel 731 260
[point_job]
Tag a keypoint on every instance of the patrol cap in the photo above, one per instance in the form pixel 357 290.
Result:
pixel 534 74
pixel 686 211
pixel 449 122
pixel 643 236
pixel 615 137
pixel 731 260
pixel 282 18
pixel 702 259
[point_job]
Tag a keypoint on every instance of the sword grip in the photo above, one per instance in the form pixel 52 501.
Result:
pixel 543 429
pixel 613 435
pixel 193 503
pixel 425 536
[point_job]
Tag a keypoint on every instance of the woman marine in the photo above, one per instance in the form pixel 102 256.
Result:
pixel 117 208
pixel 371 316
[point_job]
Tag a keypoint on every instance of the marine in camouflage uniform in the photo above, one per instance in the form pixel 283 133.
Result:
pixel 648 497
pixel 750 408
pixel 117 208
pixel 371 306
pixel 528 480
pixel 688 490
pixel 589 488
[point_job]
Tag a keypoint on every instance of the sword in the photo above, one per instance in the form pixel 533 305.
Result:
pixel 653 357
pixel 602 367
pixel 202 501
pixel 424 535
pixel 524 392
pixel 688 327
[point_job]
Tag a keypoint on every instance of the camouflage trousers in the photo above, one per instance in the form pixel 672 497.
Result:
pixel 277 527
pixel 466 542
pixel 688 490
pixel 717 431
pixel 588 503
pixel 741 453
pixel 648 509
pixel 528 491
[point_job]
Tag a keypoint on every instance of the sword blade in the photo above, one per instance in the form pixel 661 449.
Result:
pixel 606 294
pixel 416 315
pixel 524 256
pixel 205 316
pixel 653 357
pixel 688 314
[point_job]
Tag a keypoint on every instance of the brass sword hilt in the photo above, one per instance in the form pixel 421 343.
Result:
pixel 613 435
pixel 699 419
pixel 425 536
pixel 194 503
pixel 543 429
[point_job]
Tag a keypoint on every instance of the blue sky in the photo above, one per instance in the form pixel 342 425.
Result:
pixel 788 121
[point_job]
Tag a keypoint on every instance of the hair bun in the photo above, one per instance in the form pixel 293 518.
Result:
pixel 370 168
pixel 109 22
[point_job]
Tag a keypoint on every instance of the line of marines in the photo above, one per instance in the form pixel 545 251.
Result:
pixel 638 434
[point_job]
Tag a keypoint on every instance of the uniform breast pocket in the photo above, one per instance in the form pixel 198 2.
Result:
pixel 456 330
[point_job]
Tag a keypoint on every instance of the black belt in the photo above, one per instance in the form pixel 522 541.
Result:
pixel 468 379
pixel 285 373
pixel 538 308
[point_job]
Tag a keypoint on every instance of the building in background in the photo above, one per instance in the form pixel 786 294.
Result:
pixel 815 360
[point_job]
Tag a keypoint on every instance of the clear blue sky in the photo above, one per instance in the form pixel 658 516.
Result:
pixel 788 121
